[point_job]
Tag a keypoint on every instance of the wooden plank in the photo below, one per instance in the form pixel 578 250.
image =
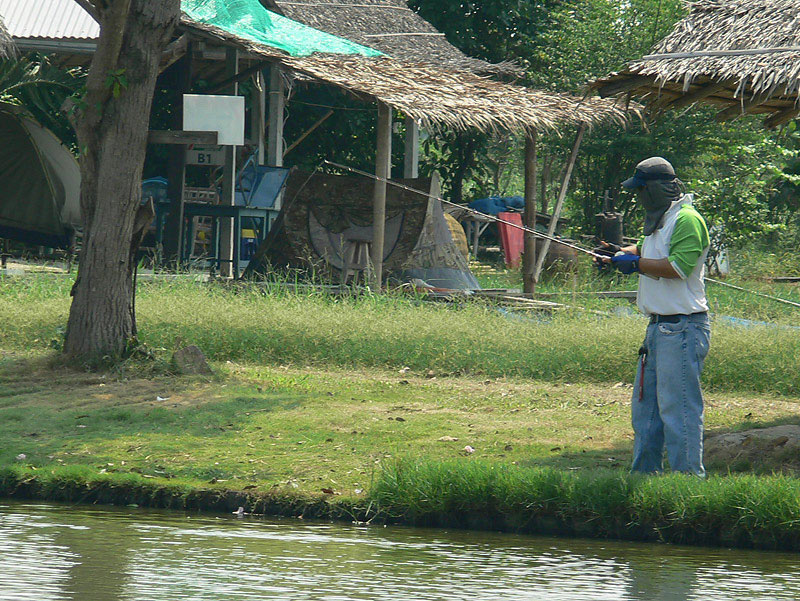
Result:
pixel 227 83
pixel 411 155
pixel 308 132
pixel 204 138
pixel 781 117
pixel 529 219
pixel 696 95
pixel 624 85
pixel 562 193
pixel 383 165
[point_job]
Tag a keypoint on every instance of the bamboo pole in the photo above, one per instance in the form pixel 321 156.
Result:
pixel 529 276
pixel 383 165
pixel 227 242
pixel 560 202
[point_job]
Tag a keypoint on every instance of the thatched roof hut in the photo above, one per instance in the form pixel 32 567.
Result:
pixel 742 55
pixel 386 25
pixel 6 42
pixel 432 96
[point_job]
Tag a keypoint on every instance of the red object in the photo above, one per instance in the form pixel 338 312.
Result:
pixel 511 239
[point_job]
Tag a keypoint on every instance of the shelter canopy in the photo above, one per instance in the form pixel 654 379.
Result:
pixel 389 26
pixel 742 55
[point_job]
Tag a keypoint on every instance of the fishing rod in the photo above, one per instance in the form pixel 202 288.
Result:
pixel 775 298
pixel 472 211
pixel 534 232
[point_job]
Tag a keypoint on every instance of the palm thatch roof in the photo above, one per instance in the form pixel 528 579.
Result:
pixel 6 42
pixel 435 98
pixel 389 26
pixel 743 55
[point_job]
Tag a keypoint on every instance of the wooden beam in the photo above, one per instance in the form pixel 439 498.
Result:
pixel 529 248
pixel 696 95
pixel 411 155
pixel 236 79
pixel 308 132
pixel 562 193
pixel 383 166
pixel 258 115
pixel 174 51
pixel 742 107
pixel 277 109
pixel 205 138
pixel 625 85
pixel 781 117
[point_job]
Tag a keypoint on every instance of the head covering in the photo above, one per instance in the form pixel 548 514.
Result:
pixel 657 187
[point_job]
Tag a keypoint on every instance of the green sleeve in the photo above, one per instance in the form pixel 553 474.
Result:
pixel 689 240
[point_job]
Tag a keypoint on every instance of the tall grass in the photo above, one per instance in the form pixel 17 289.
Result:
pixel 761 511
pixel 272 325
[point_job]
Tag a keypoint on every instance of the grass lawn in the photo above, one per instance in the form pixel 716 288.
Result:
pixel 309 429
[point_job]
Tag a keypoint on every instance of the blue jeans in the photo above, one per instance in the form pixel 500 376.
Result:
pixel 667 405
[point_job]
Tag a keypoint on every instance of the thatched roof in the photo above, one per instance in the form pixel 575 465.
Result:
pixel 434 97
pixel 386 25
pixel 743 55
pixel 6 42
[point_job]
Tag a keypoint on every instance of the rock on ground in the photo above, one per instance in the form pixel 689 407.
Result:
pixel 190 360
pixel 775 447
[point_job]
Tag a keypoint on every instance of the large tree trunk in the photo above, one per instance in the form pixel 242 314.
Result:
pixel 112 128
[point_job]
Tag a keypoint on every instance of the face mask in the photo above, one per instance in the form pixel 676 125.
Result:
pixel 656 197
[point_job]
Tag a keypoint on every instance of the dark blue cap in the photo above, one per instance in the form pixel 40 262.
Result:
pixel 654 168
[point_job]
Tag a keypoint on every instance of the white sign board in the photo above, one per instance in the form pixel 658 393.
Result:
pixel 222 114
pixel 205 155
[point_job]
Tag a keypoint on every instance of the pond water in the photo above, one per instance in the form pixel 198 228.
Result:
pixel 53 552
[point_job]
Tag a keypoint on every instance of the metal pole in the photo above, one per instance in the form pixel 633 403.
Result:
pixel 227 244
pixel 383 165
pixel 529 255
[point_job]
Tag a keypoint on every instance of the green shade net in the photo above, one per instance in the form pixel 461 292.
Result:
pixel 248 19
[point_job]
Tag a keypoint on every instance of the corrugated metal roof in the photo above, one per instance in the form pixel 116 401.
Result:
pixel 48 19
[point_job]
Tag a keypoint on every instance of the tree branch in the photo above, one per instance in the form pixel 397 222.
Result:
pixel 90 8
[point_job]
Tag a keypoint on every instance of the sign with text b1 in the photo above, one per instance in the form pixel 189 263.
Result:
pixel 205 155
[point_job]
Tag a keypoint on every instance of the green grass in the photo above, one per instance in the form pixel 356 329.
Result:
pixel 732 510
pixel 311 393
pixel 268 325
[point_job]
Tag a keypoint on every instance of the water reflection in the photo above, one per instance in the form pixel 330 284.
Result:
pixel 50 552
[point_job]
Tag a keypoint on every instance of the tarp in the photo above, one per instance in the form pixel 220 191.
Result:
pixel 39 183
pixel 250 20
pixel 327 216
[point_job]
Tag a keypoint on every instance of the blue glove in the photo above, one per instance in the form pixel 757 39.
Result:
pixel 626 263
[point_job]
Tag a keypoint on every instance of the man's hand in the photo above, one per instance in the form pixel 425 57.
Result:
pixel 625 263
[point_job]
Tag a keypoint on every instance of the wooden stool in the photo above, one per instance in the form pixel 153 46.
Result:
pixel 355 258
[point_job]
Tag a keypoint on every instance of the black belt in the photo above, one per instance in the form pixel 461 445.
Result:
pixel 673 318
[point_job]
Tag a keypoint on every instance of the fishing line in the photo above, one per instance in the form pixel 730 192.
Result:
pixel 534 232
pixel 472 211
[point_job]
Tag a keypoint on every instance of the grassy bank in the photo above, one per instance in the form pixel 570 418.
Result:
pixel 273 326
pixel 460 451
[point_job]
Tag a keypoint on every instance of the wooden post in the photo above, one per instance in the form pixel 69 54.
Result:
pixel 561 195
pixel 383 164
pixel 277 109
pixel 176 165
pixel 227 244
pixel 258 118
pixel 411 157
pixel 529 249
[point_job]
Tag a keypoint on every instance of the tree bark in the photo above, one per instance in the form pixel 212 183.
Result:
pixel 112 125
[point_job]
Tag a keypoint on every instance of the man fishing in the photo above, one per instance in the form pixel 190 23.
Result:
pixel 667 407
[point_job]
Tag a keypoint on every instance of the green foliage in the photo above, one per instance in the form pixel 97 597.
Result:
pixel 116 81
pixel 41 87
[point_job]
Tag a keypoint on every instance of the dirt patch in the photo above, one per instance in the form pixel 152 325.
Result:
pixel 777 447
